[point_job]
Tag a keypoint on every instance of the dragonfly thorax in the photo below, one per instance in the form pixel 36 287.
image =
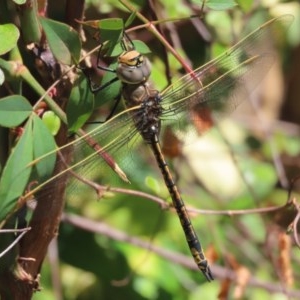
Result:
pixel 136 94
pixel 147 118
pixel 133 67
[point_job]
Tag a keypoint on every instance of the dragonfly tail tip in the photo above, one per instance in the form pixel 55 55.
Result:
pixel 208 274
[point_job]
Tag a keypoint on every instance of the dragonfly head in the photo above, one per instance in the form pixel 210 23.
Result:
pixel 133 67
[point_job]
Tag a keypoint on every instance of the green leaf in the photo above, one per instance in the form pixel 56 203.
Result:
pixel 138 45
pixel 52 121
pixel 63 40
pixel 130 19
pixel 19 2
pixel 16 172
pixel 111 30
pixel 80 105
pixel 14 110
pixel 43 143
pixel 116 50
pixel 216 4
pixel 141 47
pixel 9 35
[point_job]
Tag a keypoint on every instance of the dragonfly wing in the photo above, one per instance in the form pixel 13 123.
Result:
pixel 117 137
pixel 88 163
pixel 223 83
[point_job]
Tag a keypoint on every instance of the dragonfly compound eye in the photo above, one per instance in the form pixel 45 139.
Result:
pixel 133 67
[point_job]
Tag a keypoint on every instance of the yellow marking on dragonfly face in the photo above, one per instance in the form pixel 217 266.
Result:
pixel 131 58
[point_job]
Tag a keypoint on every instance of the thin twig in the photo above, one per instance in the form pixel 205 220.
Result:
pixel 100 190
pixel 23 232
pixel 166 205
pixel 15 230
pixel 295 223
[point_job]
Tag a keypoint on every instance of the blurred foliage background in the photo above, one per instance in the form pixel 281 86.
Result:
pixel 126 246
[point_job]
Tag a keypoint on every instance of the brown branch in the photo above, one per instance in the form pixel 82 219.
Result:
pixel 218 271
pixel 165 205
pixel 100 190
pixel 44 223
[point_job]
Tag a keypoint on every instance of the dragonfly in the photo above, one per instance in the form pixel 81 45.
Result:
pixel 219 85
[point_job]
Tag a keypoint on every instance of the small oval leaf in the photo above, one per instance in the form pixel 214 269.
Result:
pixel 14 110
pixel 9 35
pixel 141 47
pixel 63 40
pixel 20 2
pixel 111 30
pixel 52 121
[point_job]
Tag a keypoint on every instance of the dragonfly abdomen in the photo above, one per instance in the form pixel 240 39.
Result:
pixel 189 231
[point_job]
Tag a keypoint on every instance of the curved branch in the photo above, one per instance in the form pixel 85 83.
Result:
pixel 219 272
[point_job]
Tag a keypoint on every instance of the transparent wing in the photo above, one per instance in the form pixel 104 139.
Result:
pixel 89 160
pixel 221 84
